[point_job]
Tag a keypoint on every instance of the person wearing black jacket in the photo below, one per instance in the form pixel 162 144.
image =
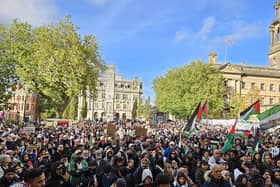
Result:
pixel 59 176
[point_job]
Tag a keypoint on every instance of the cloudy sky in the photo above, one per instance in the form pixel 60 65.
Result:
pixel 144 38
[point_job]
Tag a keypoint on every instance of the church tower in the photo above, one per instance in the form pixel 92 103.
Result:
pixel 274 29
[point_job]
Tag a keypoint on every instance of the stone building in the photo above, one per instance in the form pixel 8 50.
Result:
pixel 115 97
pixel 239 78
pixel 24 105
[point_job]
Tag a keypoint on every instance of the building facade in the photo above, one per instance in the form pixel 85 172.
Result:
pixel 240 78
pixel 114 99
pixel 23 106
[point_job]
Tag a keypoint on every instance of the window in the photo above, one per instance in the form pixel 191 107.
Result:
pixel 253 85
pixel 262 101
pixel 118 106
pixel 125 97
pixel 271 101
pixel 279 88
pixel 103 95
pixel 117 96
pixel 262 86
pixel 96 105
pixel 27 107
pixel 122 85
pixel 271 87
pixel 102 105
pixel 124 106
pixel 225 83
pixel 243 85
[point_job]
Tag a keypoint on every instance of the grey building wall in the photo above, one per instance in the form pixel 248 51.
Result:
pixel 115 97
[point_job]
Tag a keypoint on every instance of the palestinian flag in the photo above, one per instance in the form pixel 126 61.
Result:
pixel 257 140
pixel 204 110
pixel 251 110
pixel 244 133
pixel 230 139
pixel 271 114
pixel 194 121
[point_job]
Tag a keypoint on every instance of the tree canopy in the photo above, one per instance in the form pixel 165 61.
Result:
pixel 180 90
pixel 54 61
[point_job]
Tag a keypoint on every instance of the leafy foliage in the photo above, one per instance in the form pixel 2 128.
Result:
pixel 54 61
pixel 181 88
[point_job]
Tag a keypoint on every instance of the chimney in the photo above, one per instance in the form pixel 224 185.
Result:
pixel 212 58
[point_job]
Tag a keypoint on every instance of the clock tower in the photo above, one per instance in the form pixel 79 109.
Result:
pixel 274 29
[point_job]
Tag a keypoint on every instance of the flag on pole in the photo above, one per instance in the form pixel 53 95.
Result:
pixel 269 115
pixel 230 139
pixel 194 120
pixel 251 110
pixel 257 140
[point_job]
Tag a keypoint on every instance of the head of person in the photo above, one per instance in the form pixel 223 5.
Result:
pixel 147 176
pixel 130 163
pixel 204 165
pixel 217 154
pixel 216 172
pixel 275 176
pixel 267 159
pixel 226 175
pixel 85 153
pixel 78 157
pixel 145 163
pixel 35 177
pixel 58 169
pixel 242 180
pixel 9 174
pixel 163 180
pixel 181 178
pixel 98 154
pixel 60 148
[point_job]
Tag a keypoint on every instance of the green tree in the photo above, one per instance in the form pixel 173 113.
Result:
pixel 84 108
pixel 55 61
pixel 239 103
pixel 7 67
pixel 147 108
pixel 71 110
pixel 180 90
pixel 134 110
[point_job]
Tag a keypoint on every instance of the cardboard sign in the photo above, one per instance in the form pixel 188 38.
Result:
pixel 140 131
pixel 111 130
pixel 29 129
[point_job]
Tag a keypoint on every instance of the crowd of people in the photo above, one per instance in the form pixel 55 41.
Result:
pixel 85 156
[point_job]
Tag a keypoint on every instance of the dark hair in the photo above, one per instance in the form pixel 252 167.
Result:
pixel 162 179
pixel 31 174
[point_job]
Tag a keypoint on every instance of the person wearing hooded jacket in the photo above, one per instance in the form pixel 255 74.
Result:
pixel 59 176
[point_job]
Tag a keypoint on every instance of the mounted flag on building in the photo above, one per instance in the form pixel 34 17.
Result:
pixel 194 120
pixel 269 115
pixel 204 110
pixel 251 110
pixel 230 139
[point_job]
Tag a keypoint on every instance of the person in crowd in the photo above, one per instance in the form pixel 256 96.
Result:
pixel 145 164
pixel 33 177
pixel 214 177
pixel 213 160
pixel 227 176
pixel 275 177
pixel 59 176
pixel 9 178
pixel 242 181
pixel 199 173
pixel 163 180
pixel 76 166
